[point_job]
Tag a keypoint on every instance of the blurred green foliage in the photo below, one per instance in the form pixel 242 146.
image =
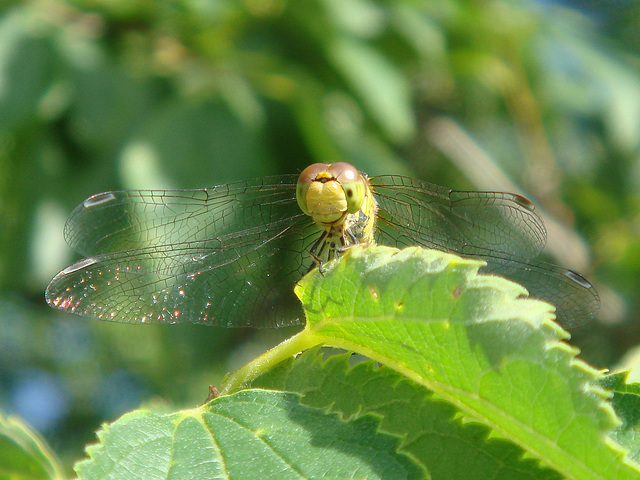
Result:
pixel 100 94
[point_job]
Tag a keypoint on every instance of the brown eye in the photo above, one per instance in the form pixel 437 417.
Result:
pixel 306 178
pixel 352 182
pixel 344 172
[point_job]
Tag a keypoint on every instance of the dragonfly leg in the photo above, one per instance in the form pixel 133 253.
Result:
pixel 353 240
pixel 318 249
pixel 333 242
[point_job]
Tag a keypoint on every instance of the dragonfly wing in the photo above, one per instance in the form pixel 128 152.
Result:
pixel 502 229
pixel 228 255
pixel 126 220
pixel 462 222
pixel 575 298
pixel 243 279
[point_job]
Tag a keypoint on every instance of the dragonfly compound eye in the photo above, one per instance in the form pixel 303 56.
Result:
pixel 352 183
pixel 306 178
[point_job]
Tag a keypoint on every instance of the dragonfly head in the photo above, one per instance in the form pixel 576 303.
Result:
pixel 328 192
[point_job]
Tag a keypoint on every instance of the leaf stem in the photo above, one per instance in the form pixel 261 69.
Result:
pixel 290 347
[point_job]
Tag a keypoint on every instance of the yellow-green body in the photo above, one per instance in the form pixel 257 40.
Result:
pixel 340 201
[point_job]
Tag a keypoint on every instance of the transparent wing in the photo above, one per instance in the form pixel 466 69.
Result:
pixel 459 221
pixel 126 220
pixel 503 229
pixel 229 255
pixel 576 299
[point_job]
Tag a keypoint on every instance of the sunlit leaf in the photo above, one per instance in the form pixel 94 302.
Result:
pixel 476 341
pixel 626 402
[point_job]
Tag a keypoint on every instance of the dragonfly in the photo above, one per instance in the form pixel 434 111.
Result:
pixel 230 255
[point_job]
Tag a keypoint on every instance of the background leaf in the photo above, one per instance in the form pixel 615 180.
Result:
pixel 383 89
pixel 23 454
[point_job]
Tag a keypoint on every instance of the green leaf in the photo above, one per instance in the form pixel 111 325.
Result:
pixel 23 454
pixel 178 135
pixel 380 86
pixel 27 68
pixel 248 435
pixel 476 341
pixel 431 431
pixel 626 403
